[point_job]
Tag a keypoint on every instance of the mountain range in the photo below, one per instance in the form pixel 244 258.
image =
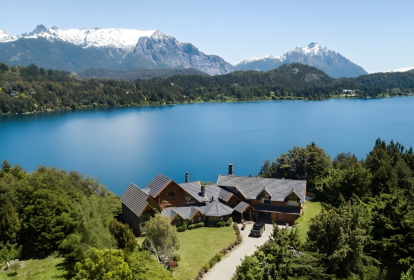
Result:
pixel 332 63
pixel 77 50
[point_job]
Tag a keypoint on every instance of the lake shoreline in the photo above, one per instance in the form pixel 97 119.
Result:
pixel 186 103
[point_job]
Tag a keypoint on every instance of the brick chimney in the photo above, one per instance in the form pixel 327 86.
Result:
pixel 186 177
pixel 203 190
pixel 231 169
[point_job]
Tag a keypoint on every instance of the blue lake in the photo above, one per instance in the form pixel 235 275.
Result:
pixel 127 145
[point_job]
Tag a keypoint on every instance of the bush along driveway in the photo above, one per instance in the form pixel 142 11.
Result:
pixel 225 269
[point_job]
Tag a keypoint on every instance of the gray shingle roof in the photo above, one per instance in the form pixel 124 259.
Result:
pixel 217 192
pixel 185 212
pixel 279 209
pixel 217 209
pixel 157 185
pixel 135 199
pixel 241 207
pixel 194 189
pixel 278 189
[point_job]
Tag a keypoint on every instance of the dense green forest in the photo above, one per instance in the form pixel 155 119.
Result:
pixel 52 212
pixel 32 89
pixel 366 227
pixel 143 74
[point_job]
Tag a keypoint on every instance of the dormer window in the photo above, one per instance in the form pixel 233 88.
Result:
pixel 292 200
pixel 170 195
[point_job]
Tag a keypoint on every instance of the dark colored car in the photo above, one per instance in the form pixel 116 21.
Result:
pixel 257 229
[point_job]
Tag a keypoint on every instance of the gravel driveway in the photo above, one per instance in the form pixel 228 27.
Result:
pixel 225 269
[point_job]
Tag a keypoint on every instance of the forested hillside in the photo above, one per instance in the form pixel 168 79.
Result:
pixel 143 74
pixel 365 230
pixel 50 213
pixel 33 89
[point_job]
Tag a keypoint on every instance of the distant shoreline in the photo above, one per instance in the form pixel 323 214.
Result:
pixel 196 102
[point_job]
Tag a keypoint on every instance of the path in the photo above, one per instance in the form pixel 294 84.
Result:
pixel 225 269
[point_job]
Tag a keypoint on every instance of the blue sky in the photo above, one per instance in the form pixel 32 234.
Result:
pixel 377 35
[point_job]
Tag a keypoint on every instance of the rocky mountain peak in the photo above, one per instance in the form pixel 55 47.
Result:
pixel 38 30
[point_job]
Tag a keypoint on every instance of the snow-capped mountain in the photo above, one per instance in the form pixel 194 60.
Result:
pixel 118 49
pixel 332 63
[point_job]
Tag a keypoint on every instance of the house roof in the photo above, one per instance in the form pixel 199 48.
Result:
pixel 157 185
pixel 251 187
pixel 194 189
pixel 217 192
pixel 217 209
pixel 241 207
pixel 135 199
pixel 278 209
pixel 185 212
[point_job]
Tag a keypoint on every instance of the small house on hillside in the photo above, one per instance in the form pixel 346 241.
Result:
pixel 239 197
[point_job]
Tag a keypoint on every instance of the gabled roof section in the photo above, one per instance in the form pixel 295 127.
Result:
pixel 217 209
pixel 251 187
pixel 185 212
pixel 241 207
pixel 135 199
pixel 194 189
pixel 157 185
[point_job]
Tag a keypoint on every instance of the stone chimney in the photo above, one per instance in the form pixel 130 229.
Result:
pixel 203 190
pixel 186 177
pixel 231 169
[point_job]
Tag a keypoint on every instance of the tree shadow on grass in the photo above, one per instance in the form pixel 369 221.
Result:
pixel 12 274
pixel 67 267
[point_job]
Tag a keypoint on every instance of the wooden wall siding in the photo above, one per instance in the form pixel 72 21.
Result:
pixel 153 203
pixel 177 221
pixel 130 218
pixel 197 218
pixel 273 217
pixel 178 200
pixel 233 201
pixel 278 203
pixel 287 218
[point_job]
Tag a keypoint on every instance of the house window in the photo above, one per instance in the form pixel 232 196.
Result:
pixel 170 195
pixel 199 219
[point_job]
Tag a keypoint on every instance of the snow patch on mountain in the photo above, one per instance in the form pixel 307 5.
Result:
pixel 332 63
pixel 404 69
pixel 125 39
pixel 4 37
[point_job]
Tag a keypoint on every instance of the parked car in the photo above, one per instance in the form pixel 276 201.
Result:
pixel 257 229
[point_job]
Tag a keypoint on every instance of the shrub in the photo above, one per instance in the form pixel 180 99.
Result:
pixel 173 264
pixel 219 256
pixel 229 222
pixel 236 230
pixel 206 267
pixel 191 226
pixel 221 224
pixel 180 229
pixel 177 257
pixel 184 226
pixel 201 224
pixel 213 261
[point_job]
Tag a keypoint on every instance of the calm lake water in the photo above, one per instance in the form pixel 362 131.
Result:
pixel 127 145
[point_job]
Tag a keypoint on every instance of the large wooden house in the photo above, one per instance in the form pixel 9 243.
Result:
pixel 257 199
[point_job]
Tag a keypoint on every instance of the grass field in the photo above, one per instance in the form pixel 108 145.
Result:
pixel 311 209
pixel 198 246
pixel 39 269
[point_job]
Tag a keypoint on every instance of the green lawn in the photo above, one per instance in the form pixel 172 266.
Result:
pixel 311 209
pixel 198 246
pixel 39 269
